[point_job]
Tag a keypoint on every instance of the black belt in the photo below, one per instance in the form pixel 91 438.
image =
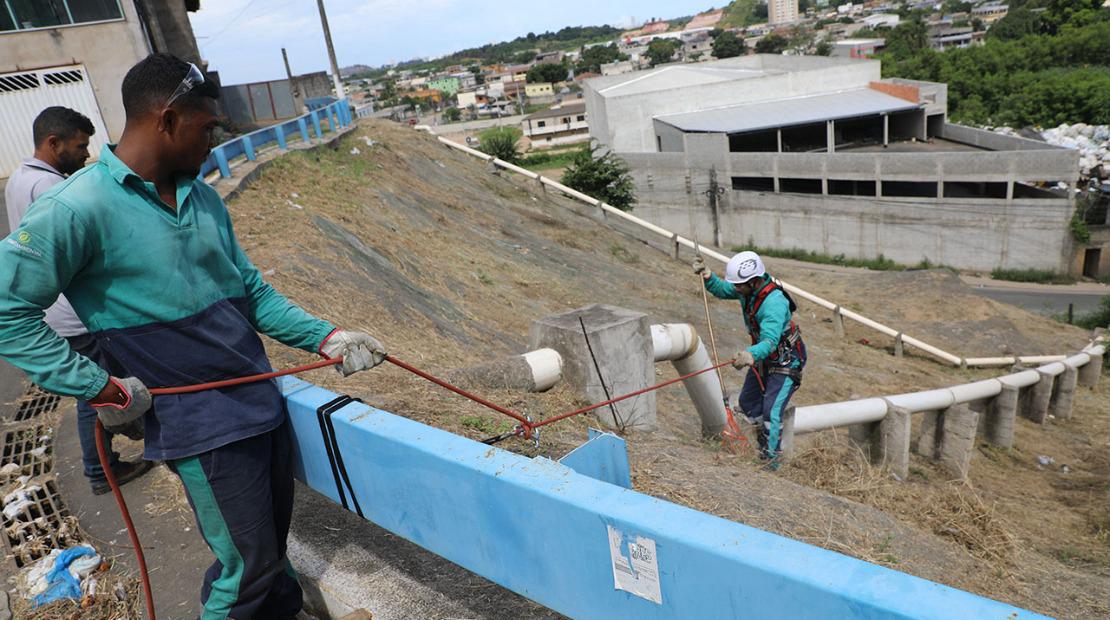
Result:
pixel 331 445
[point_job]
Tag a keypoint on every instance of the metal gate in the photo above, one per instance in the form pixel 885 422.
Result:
pixel 24 94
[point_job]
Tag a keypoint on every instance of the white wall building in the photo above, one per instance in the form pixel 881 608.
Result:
pixel 782 11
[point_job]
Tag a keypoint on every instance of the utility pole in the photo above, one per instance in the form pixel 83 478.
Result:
pixel 293 86
pixel 713 192
pixel 331 51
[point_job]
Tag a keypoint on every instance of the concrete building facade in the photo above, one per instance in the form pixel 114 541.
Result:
pixel 560 124
pixel 782 11
pixel 76 54
pixel 822 154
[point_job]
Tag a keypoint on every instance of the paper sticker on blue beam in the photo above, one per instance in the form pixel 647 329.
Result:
pixel 542 530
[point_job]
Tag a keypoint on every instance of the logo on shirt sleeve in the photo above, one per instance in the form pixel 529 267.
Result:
pixel 22 243
pixel 24 237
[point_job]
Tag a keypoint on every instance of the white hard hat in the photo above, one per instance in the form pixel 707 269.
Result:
pixel 743 267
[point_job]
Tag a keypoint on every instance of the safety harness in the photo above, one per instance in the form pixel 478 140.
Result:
pixel 780 361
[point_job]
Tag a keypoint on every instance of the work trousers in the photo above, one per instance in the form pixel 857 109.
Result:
pixel 242 496
pixel 87 345
pixel 764 404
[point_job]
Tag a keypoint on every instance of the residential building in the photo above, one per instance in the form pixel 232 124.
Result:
pixel 990 12
pixel 560 124
pixel 75 53
pixel 946 37
pixel 617 67
pixel 448 85
pixel 857 48
pixel 467 98
pixel 549 58
pixel 467 80
pixel 539 89
pixel 881 20
pixel 821 153
pixel 698 45
pixel 782 11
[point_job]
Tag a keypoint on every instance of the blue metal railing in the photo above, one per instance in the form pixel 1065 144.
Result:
pixel 329 118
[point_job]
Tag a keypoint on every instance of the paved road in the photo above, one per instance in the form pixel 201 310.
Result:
pixel 1045 302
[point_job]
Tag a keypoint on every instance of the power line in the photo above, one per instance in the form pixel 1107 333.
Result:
pixel 231 23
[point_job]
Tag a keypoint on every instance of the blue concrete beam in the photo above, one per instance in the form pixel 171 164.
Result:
pixel 586 548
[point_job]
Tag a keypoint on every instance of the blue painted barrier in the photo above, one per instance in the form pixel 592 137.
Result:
pixel 583 547
pixel 249 144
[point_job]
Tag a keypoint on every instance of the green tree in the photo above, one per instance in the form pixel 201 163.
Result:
pixel 772 44
pixel 524 57
pixel 661 50
pixel 452 114
pixel 549 72
pixel 907 38
pixel 824 48
pixel 727 45
pixel 1016 24
pixel 593 57
pixel 501 143
pixel 605 178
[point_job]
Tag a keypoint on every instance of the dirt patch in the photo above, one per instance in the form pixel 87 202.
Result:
pixel 448 264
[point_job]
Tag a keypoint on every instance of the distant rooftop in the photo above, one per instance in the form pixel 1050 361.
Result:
pixel 678 76
pixel 785 112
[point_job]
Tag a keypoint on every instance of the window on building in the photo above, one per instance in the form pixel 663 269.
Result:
pixel 753 184
pixel 972 189
pixel 27 14
pixel 541 124
pixel 851 187
pixel 799 186
pixel 581 118
pixel 566 119
pixel 753 142
pixel 910 189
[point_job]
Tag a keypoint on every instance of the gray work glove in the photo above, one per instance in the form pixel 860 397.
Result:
pixel 124 405
pixel 360 351
pixel 743 359
pixel 699 265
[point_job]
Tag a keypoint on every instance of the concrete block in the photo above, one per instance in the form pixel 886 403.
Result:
pixel 1035 400
pixel 621 341
pixel 1089 374
pixel 863 435
pixel 956 439
pixel 926 443
pixel 1064 393
pixel 892 448
pixel 998 427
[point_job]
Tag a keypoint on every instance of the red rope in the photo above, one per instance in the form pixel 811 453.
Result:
pixel 461 392
pixel 589 408
pixel 200 387
pixel 131 532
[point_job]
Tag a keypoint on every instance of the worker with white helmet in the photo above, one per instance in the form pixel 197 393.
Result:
pixel 777 354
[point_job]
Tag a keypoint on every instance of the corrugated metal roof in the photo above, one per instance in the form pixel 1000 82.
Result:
pixel 784 112
pixel 567 109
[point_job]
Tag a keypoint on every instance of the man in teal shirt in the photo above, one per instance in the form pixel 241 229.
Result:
pixel 146 254
pixel 777 354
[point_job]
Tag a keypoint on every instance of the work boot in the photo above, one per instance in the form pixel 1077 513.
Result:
pixel 125 472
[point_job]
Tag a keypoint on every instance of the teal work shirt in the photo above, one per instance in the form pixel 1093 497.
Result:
pixel 773 315
pixel 166 291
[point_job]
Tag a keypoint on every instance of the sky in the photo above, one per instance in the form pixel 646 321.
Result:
pixel 242 39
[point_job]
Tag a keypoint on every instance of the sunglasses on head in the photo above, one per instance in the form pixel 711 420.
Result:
pixel 192 79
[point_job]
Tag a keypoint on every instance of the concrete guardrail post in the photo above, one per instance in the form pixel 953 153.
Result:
pixel 998 421
pixel 948 436
pixel 248 147
pixel 786 442
pixel 898 348
pixel 221 162
pixel 894 442
pixel 675 246
pixel 838 322
pixel 279 133
pixel 316 123
pixel 1089 373
pixel 302 124
pixel 1035 401
pixel 1064 394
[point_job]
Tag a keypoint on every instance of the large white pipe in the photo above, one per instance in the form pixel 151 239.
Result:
pixel 546 366
pixel 679 344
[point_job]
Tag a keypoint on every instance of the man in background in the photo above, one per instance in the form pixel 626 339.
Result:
pixel 61 138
